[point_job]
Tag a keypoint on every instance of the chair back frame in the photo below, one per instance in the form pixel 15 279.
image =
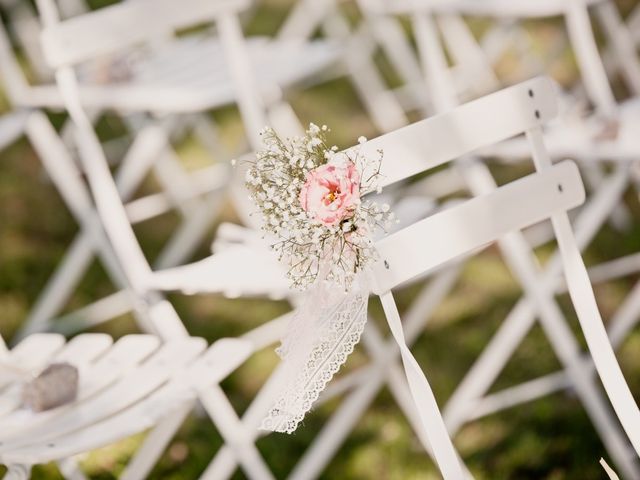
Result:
pixel 121 25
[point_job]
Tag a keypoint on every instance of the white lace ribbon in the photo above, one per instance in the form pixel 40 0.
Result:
pixel 321 335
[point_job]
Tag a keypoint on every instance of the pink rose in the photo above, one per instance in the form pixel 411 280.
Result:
pixel 331 193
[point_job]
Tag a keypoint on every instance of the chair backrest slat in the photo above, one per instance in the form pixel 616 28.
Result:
pixel 459 230
pixel 443 138
pixel 118 26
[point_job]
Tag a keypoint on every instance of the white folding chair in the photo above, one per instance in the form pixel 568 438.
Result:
pixel 359 47
pixel 448 235
pixel 576 139
pixel 125 388
pixel 419 148
pixel 182 97
pixel 480 377
pixel 597 211
pixel 63 171
pixel 105 195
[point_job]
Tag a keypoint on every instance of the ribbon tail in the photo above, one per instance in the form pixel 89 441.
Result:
pixel 319 341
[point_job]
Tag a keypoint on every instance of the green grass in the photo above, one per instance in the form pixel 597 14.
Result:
pixel 548 438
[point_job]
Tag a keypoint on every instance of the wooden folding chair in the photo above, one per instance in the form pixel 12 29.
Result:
pixel 448 236
pixel 65 174
pixel 194 195
pixel 472 390
pixel 417 150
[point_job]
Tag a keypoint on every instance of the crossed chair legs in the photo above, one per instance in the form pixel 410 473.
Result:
pixel 150 142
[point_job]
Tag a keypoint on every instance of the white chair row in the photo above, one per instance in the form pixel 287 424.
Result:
pixel 414 251
pixel 195 284
pixel 178 77
pixel 573 140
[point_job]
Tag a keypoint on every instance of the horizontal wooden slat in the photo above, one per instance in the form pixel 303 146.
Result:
pixel 166 362
pixel 483 8
pixel 480 123
pixel 452 233
pixel 124 357
pixel 118 26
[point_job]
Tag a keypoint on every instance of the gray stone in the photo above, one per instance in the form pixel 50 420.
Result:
pixel 57 385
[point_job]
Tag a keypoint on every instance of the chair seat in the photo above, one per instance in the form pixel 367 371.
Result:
pixel 243 265
pixel 579 138
pixel 236 270
pixel 502 8
pixel 190 75
pixel 125 388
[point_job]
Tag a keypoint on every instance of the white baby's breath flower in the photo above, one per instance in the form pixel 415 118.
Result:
pixel 275 181
pixel 362 140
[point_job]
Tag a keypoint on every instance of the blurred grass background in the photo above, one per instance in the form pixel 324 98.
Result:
pixel 549 438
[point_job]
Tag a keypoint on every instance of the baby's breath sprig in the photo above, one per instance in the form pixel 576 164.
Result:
pixel 309 195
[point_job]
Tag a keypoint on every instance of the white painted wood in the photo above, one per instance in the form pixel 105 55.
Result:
pixel 620 38
pixel 487 8
pixel 85 348
pixel 169 360
pixel 117 26
pixel 223 357
pixel 11 127
pixel 445 137
pixel 4 350
pixel 124 356
pixel 583 299
pixel 191 75
pixel 235 271
pixel 79 352
pixel 602 421
pixel 447 235
pixel 29 356
pixel 140 416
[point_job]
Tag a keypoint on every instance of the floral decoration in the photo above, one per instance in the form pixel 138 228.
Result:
pixel 311 198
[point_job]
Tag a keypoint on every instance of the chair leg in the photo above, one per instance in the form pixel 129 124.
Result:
pixel 18 472
pixel 521 261
pixel 59 287
pixel 383 108
pixel 522 317
pixel 189 235
pixel 236 437
pixel 622 41
pixel 626 317
pixel 155 443
pixel 568 351
pixel 70 469
pixel 64 173
pixel 150 141
pixel 225 463
pixel 595 176
pixel 599 345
